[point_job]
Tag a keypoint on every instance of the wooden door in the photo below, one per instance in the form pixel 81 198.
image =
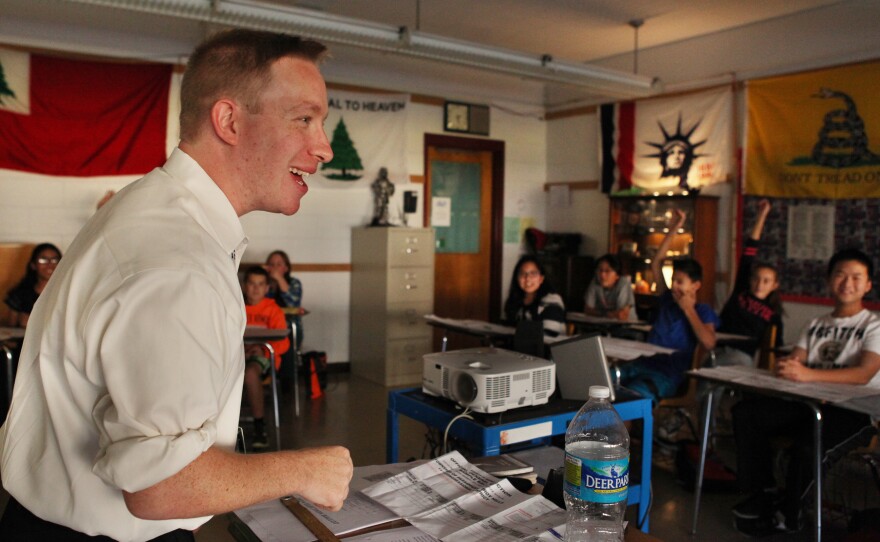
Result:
pixel 463 243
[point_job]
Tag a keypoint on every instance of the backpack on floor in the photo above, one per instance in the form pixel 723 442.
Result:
pixel 716 477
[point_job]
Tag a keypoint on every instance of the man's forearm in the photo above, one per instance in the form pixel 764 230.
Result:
pixel 219 481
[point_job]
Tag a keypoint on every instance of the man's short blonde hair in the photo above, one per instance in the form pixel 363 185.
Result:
pixel 235 64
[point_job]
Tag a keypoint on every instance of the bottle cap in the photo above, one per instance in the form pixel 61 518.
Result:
pixel 600 392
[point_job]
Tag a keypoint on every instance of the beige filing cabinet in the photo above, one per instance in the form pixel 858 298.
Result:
pixel 392 288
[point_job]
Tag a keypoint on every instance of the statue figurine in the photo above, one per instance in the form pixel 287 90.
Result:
pixel 383 189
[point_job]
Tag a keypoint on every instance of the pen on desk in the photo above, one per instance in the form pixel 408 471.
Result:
pixel 555 533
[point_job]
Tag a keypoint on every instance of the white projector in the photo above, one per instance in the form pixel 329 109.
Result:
pixel 489 379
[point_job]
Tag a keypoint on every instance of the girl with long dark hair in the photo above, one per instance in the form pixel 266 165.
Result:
pixel 21 298
pixel 532 297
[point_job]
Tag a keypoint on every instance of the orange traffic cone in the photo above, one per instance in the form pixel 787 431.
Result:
pixel 313 381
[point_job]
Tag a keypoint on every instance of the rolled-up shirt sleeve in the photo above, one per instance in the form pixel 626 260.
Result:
pixel 165 342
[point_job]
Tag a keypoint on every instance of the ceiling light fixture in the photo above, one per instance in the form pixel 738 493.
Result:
pixel 390 39
pixel 636 24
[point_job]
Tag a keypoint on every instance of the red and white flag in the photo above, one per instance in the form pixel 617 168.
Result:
pixel 668 144
pixel 80 118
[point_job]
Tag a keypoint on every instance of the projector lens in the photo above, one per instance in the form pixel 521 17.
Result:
pixel 465 388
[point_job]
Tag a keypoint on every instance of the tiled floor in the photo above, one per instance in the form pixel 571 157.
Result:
pixel 352 413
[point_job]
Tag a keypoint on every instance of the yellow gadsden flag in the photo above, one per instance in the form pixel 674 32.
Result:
pixel 815 134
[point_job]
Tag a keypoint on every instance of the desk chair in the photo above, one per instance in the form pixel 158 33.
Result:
pixel 262 337
pixel 766 353
pixel 9 377
pixel 297 361
pixel 686 398
pixel 529 338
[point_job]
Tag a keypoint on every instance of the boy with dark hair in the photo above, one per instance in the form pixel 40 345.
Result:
pixel 261 311
pixel 842 346
pixel 681 324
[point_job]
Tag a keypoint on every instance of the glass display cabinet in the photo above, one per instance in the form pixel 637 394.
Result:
pixel 638 225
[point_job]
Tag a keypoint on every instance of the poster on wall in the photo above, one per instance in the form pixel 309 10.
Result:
pixel 367 132
pixel 675 143
pixel 810 232
pixel 801 235
pixel 814 134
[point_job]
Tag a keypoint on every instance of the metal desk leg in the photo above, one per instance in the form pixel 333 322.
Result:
pixel 704 445
pixel 10 372
pixel 817 465
pixel 274 395
pixel 296 361
pixel 391 430
pixel 647 443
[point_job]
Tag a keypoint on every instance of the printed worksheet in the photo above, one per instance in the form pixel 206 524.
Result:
pixel 496 513
pixel 433 484
pixel 451 499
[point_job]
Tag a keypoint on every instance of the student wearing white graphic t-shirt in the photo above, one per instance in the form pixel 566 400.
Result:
pixel 842 347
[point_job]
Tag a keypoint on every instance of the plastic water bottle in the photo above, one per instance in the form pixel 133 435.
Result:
pixel 596 471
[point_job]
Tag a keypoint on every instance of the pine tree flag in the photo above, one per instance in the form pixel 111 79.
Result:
pixel 77 118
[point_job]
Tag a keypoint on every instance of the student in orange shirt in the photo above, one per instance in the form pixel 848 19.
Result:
pixel 263 312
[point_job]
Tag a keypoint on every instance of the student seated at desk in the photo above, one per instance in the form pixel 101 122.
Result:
pixel 610 294
pixel 20 299
pixel 754 305
pixel 284 288
pixel 264 312
pixel 681 324
pixel 843 347
pixel 531 297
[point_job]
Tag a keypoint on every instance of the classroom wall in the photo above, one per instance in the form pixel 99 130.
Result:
pixel 572 155
pixel 35 209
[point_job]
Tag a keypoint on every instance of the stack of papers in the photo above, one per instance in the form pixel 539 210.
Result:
pixel 445 499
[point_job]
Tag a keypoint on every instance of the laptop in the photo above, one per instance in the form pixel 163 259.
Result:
pixel 581 363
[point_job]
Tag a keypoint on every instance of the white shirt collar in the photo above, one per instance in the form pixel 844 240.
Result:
pixel 223 222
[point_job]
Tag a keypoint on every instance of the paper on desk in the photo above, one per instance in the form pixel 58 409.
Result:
pixel 402 534
pixel 593 319
pixel 628 350
pixel 272 522
pixel 426 486
pixel 498 512
pixel 451 499
pixel 471 325
pixel 759 378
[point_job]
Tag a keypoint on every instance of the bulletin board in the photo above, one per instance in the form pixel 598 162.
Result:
pixel 804 279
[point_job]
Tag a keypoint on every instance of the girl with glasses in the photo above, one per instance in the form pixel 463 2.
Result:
pixel 532 297
pixel 21 298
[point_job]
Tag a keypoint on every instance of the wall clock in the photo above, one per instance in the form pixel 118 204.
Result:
pixel 466 118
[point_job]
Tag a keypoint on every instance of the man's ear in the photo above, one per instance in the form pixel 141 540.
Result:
pixel 697 284
pixel 224 120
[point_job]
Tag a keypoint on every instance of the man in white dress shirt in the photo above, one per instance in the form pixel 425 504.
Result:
pixel 128 391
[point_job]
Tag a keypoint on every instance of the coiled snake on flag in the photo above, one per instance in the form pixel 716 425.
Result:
pixel 842 138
